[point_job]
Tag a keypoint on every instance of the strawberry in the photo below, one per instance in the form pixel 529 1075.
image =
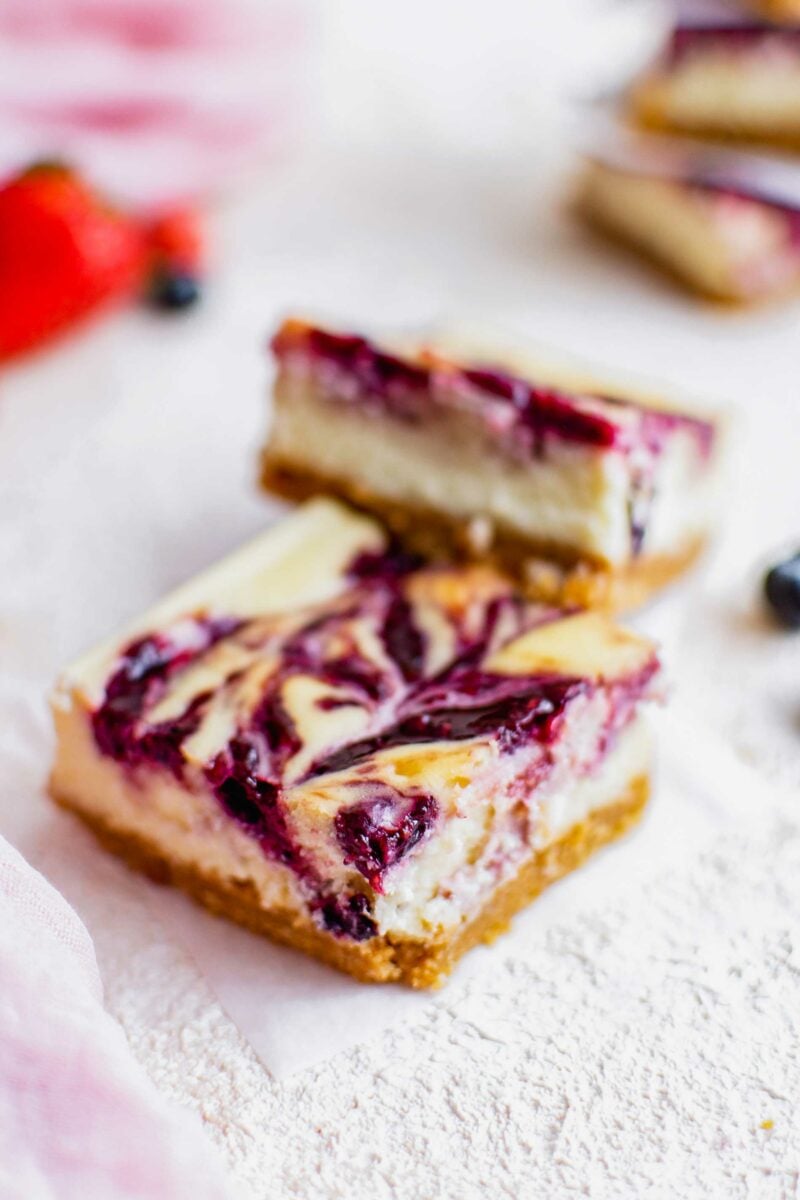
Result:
pixel 175 241
pixel 64 252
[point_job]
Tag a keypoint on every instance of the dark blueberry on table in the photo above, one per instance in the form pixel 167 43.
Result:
pixel 782 590
pixel 174 290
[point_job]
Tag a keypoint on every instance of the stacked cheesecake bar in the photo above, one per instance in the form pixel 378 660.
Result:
pixel 725 75
pixel 725 223
pixel 373 755
pixel 585 496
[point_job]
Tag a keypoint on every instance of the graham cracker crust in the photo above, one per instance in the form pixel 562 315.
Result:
pixel 415 962
pixel 648 113
pixel 545 571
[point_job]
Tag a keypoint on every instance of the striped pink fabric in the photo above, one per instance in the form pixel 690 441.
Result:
pixel 78 1118
pixel 158 100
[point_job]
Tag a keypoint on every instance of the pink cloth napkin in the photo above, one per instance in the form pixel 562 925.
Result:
pixel 157 100
pixel 78 1118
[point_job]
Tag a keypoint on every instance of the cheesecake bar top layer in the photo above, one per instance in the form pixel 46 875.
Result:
pixel 335 697
pixel 731 37
pixel 521 413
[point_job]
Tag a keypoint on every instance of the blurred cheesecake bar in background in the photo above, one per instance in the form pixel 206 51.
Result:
pixel 777 10
pixel 729 77
pixel 374 761
pixel 585 496
pixel 724 223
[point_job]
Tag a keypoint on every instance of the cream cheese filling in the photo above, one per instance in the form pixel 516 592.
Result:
pixel 574 496
pixel 727 91
pixel 454 874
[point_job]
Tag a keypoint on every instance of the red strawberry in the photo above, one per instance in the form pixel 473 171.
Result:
pixel 63 253
pixel 175 240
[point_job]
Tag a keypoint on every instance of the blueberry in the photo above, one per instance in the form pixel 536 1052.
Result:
pixel 174 290
pixel 782 590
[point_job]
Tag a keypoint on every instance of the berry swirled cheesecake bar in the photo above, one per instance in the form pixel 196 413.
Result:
pixel 587 498
pixel 725 76
pixel 725 224
pixel 375 761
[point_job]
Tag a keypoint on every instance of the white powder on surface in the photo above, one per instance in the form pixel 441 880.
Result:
pixel 649 1048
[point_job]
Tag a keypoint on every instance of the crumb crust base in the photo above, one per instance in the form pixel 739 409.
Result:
pixel 650 110
pixel 418 963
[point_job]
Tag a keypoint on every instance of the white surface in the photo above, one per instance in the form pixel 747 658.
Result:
pixel 634 1048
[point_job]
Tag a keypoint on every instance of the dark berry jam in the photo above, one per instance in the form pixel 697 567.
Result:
pixel 163 743
pixel 379 831
pixel 236 777
pixel 407 389
pixel 734 37
pixel 348 916
pixel 512 711
pixel 141 678
pixel 543 411
pixel 394 382
pixel 387 565
pixel 403 641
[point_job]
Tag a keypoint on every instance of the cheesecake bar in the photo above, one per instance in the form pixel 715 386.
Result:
pixel 586 497
pixel 724 224
pixel 786 11
pixel 725 78
pixel 375 761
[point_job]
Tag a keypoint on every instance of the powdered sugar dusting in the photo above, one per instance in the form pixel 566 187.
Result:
pixel 654 1057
